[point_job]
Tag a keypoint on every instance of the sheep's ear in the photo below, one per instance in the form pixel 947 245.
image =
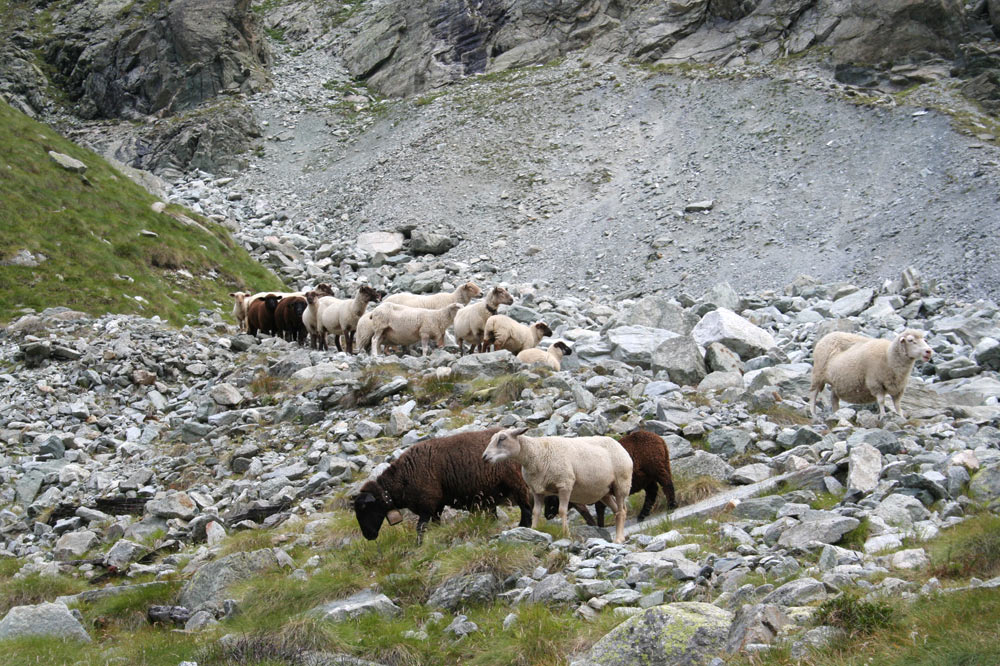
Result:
pixel 394 517
pixel 518 432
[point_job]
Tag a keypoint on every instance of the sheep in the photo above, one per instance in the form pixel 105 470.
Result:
pixel 340 317
pixel 650 469
pixel 577 469
pixel 288 318
pixel 402 325
pixel 462 294
pixel 502 332
pixel 551 357
pixel 861 369
pixel 260 314
pixel 471 320
pixel 448 471
pixel 240 309
pixel 314 307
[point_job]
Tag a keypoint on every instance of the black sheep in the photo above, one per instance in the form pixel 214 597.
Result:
pixel 650 468
pixel 430 475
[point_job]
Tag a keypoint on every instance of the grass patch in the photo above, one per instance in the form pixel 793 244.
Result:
pixel 971 548
pixel 940 630
pixel 855 539
pixel 690 490
pixel 826 501
pixel 856 616
pixel 35 589
pixel 127 611
pixel 88 228
pixel 783 415
pixel 496 390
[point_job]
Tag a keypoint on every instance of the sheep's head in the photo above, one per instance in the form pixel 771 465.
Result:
pixel 468 291
pixel 323 289
pixel 501 296
pixel 913 345
pixel 503 445
pixel 371 507
pixel 369 294
pixel 271 302
pixel 240 296
pixel 563 347
pixel 541 326
pixel 312 297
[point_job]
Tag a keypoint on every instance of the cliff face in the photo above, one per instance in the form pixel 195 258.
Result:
pixel 407 47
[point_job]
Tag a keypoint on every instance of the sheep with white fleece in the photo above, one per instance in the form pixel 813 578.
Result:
pixel 401 325
pixel 861 369
pixel 551 357
pixel 470 321
pixel 582 470
pixel 502 332
pixel 462 295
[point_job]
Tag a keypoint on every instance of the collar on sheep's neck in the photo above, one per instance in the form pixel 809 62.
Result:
pixel 492 310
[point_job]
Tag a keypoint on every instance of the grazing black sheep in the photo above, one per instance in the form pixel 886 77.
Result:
pixel 650 468
pixel 430 475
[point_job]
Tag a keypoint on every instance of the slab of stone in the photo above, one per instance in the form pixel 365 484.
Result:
pixel 824 530
pixel 361 603
pixel 67 162
pixel 48 619
pixel 386 242
pixel 864 466
pixel 736 333
pixel 210 582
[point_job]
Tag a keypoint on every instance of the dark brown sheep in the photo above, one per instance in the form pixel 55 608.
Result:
pixel 288 319
pixel 650 468
pixel 430 475
pixel 260 314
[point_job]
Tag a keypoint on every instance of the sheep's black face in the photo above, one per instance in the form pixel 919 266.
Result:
pixel 271 302
pixel 370 514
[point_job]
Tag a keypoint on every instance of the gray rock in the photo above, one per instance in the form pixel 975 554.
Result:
pixel 720 381
pixel 656 311
pixel 174 504
pixel 386 242
pixel 680 359
pixel 362 603
pixel 226 395
pixel 123 553
pixel 911 558
pixel 200 620
pixel 73 545
pixel 816 638
pixel 755 623
pixel 901 510
pixel 210 582
pixel 702 463
pixel 824 530
pixel 722 295
pixel 729 329
pixel 852 304
pixel 797 593
pixel 461 626
pixel 426 242
pixel 67 162
pixel 462 590
pixel 678 634
pixel 985 484
pixel 524 535
pixel 491 364
pixel 46 619
pixel 553 589
pixel 864 466
pixel 752 473
pixel 635 344
pixel 987 353
pixel 728 442
pixel 759 508
pixel 720 358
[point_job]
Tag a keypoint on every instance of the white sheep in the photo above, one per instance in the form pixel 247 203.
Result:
pixel 582 470
pixel 462 295
pixel 316 301
pixel 240 308
pixel 471 320
pixel 502 332
pixel 340 316
pixel 402 325
pixel 551 357
pixel 861 369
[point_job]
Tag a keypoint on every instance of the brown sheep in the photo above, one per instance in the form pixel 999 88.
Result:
pixel 260 314
pixel 288 319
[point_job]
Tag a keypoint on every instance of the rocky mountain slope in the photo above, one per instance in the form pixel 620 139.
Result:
pixel 158 479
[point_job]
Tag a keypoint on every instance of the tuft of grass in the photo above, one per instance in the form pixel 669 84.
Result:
pixel 36 589
pixel 856 616
pixel 826 501
pixel 497 390
pixel 88 228
pixel 971 548
pixel 127 611
pixel 689 490
pixel 855 539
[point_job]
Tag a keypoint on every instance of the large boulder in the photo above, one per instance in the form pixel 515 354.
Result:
pixel 52 620
pixel 680 358
pixel 822 529
pixel 657 311
pixel 362 603
pixel 702 463
pixel 679 634
pixel 985 484
pixel 864 466
pixel 461 590
pixel 733 331
pixel 635 344
pixel 210 582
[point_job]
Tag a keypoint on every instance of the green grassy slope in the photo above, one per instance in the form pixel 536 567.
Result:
pixel 89 228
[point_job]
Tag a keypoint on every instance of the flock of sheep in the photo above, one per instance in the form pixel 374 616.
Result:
pixel 398 320
pixel 538 474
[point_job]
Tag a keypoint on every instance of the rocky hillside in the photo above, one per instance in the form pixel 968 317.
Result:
pixel 183 495
pixel 159 478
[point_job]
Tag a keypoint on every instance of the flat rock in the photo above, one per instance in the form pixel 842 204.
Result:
pixel 386 242
pixel 824 530
pixel 67 162
pixel 48 619
pixel 362 603
pixel 729 329
pixel 864 465
pixel 209 583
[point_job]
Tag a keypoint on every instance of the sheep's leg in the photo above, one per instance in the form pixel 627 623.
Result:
pixel 813 394
pixel 896 399
pixel 616 503
pixel 349 341
pixel 834 401
pixel 376 338
pixel 425 343
pixel 564 510
pixel 647 506
pixel 880 400
pixel 599 510
pixel 536 510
